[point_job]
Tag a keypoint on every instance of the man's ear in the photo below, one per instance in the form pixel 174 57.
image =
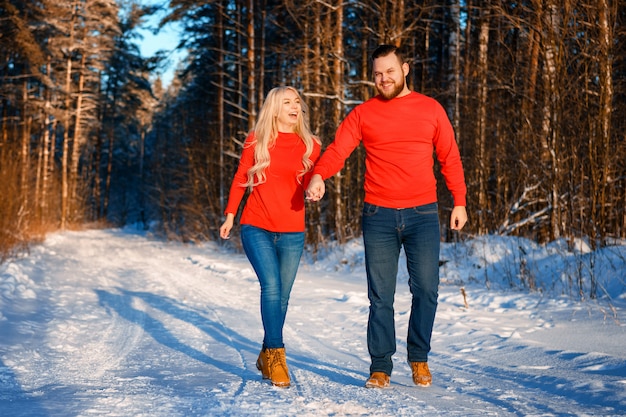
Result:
pixel 405 69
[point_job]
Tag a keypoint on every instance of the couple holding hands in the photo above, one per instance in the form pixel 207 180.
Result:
pixel 281 164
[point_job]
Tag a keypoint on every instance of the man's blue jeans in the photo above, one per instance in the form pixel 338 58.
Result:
pixel 275 258
pixel 385 232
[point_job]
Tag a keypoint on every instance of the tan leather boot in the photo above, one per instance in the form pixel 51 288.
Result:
pixel 421 374
pixel 277 366
pixel 262 364
pixel 377 380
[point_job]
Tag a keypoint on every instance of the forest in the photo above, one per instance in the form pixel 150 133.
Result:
pixel 89 137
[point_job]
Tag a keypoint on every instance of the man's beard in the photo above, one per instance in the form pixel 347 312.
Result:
pixel 388 95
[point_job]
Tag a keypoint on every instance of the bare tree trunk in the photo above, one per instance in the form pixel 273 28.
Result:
pixel 313 82
pixel 261 88
pixel 43 170
pixel 528 99
pixel 550 113
pixel 77 145
pixel 220 100
pixel 51 168
pixel 397 22
pixel 97 161
pixel 43 174
pixel 455 70
pixel 252 110
pixel 424 80
pixel 24 160
pixel 67 117
pixel 107 174
pixel 39 172
pixel 533 70
pixel 481 135
pixel 142 182
pixel 240 66
pixel 66 145
pixel 340 221
pixel 606 109
pixel 468 46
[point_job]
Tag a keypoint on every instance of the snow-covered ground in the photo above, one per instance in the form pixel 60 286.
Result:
pixel 119 323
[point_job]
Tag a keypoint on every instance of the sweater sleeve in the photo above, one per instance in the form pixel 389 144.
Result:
pixel 347 138
pixel 237 187
pixel 315 157
pixel 449 157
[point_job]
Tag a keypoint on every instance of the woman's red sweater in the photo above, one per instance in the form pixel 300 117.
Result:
pixel 276 205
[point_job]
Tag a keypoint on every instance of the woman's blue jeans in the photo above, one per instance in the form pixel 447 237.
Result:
pixel 275 258
pixel 385 232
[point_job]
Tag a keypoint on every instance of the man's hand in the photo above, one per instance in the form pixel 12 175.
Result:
pixel 458 218
pixel 316 189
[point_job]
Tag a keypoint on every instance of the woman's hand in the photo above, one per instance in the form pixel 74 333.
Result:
pixel 227 226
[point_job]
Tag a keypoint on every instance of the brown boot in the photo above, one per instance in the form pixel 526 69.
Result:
pixel 421 374
pixel 377 380
pixel 262 364
pixel 277 366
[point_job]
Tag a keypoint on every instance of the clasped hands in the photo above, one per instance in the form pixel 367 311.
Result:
pixel 316 189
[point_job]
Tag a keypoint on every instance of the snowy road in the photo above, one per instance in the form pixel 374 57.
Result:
pixel 115 323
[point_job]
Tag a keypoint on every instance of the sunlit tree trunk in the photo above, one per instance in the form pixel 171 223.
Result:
pixel 312 82
pixel 261 70
pixel 51 169
pixel 528 100
pixel 47 140
pixel 241 66
pixel 108 173
pixel 221 130
pixel 337 82
pixel 77 144
pixel 23 215
pixel 549 124
pixel 480 160
pixel 397 22
pixel 96 191
pixel 43 172
pixel 605 42
pixel 69 47
pixel 424 81
pixel 454 43
pixel 467 65
pixel 252 105
pixel 65 145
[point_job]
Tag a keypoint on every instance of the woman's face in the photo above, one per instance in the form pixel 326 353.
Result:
pixel 289 112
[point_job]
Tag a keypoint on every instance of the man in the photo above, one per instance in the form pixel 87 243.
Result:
pixel 399 129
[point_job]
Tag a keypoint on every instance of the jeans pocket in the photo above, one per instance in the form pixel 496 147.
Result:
pixel 432 208
pixel 369 210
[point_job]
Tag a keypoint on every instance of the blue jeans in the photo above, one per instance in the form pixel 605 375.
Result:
pixel 385 232
pixel 275 258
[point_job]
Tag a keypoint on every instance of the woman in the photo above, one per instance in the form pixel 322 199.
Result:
pixel 275 166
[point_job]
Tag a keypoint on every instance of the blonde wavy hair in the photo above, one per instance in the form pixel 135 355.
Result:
pixel 266 132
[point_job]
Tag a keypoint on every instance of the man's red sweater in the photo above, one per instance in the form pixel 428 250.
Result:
pixel 276 205
pixel 399 136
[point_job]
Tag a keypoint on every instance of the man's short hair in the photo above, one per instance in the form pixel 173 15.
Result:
pixel 386 49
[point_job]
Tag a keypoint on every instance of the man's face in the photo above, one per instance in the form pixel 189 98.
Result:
pixel 389 76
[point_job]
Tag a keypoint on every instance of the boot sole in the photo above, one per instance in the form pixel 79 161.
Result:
pixel 368 385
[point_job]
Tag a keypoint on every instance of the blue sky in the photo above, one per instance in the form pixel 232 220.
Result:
pixel 166 39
